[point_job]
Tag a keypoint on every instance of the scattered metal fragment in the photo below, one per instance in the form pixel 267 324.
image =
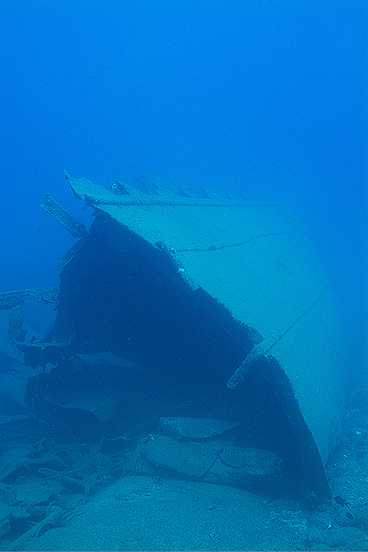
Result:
pixel 62 217
pixel 11 299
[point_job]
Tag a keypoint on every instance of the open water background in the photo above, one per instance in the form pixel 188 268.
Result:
pixel 262 97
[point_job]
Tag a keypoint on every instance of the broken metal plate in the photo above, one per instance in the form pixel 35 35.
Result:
pixel 210 461
pixel 195 428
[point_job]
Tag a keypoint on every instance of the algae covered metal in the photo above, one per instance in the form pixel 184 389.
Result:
pixel 220 297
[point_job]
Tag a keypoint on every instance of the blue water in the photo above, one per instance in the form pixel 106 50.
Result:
pixel 265 97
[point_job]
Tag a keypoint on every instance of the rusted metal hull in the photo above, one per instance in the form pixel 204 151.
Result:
pixel 211 293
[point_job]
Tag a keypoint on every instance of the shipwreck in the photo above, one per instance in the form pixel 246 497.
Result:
pixel 218 310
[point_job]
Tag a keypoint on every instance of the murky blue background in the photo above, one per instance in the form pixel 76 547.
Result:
pixel 265 97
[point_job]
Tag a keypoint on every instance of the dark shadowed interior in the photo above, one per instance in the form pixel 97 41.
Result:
pixel 119 294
